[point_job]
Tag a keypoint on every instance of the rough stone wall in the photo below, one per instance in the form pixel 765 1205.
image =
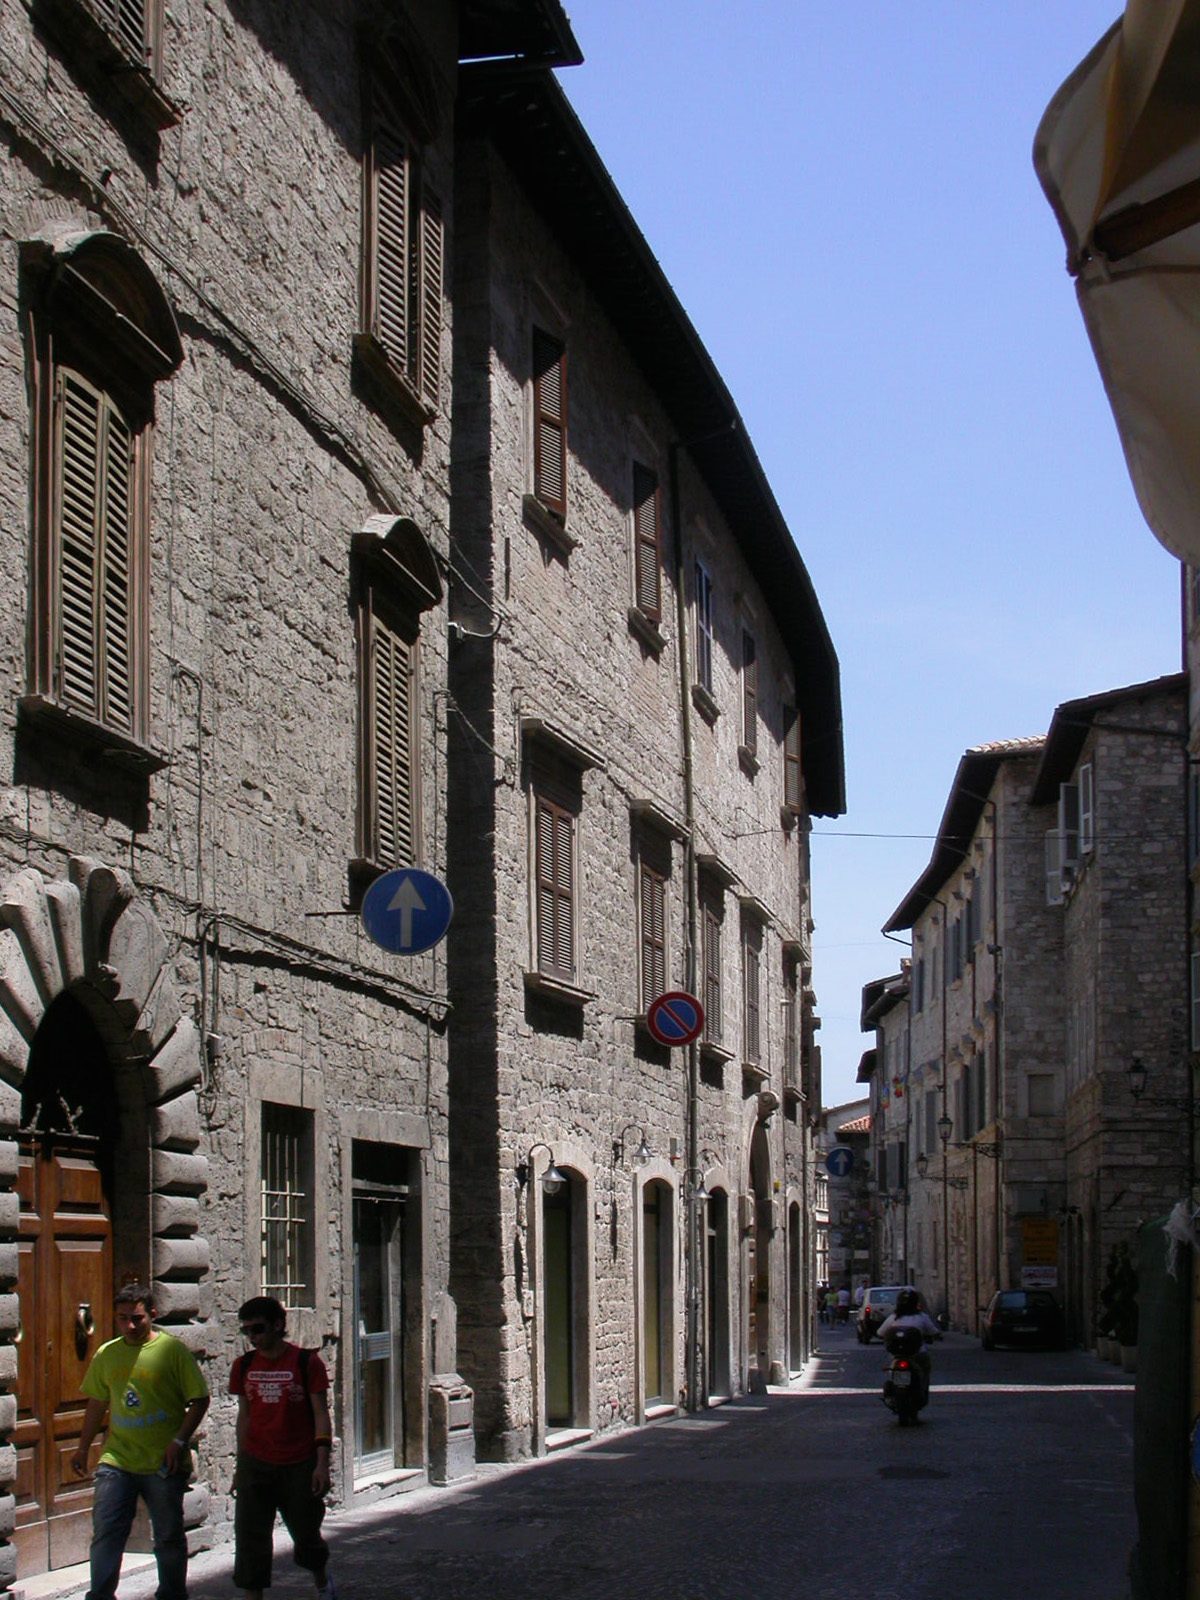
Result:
pixel 572 1075
pixel 1125 947
pixel 266 458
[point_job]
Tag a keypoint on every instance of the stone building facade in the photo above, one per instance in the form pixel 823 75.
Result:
pixel 225 406
pixel 1115 767
pixel 985 1072
pixel 884 1069
pixel 1049 936
pixel 292 597
pixel 649 708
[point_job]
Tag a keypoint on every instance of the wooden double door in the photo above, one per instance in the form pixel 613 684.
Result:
pixel 66 1287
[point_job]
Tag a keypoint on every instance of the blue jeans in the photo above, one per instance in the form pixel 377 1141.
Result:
pixel 113 1511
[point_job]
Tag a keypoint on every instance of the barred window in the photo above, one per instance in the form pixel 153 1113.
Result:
pixel 287 1197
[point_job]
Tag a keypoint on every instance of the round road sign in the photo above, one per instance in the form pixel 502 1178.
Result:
pixel 675 1018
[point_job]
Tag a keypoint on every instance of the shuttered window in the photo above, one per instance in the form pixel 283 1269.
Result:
pixel 793 785
pixel 704 628
pixel 94 504
pixel 391 748
pixel 554 849
pixel 752 979
pixel 647 542
pixel 711 938
pixel 404 251
pixel 126 19
pixel 654 935
pixel 749 693
pixel 550 422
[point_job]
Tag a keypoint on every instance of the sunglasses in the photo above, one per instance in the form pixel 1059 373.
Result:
pixel 251 1329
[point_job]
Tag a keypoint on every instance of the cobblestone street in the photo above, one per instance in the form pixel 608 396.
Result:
pixel 1018 1481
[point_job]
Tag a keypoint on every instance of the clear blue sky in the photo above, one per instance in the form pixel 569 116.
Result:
pixel 844 201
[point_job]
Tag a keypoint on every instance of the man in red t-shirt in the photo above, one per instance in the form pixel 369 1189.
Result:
pixel 283 1442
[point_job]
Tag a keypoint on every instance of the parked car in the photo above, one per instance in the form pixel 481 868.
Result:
pixel 1023 1317
pixel 878 1303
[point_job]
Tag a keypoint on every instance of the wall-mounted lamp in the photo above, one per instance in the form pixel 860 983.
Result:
pixel 643 1152
pixel 945 1127
pixel 552 1179
pixel 922 1165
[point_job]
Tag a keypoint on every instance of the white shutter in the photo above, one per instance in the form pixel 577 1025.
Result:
pixel 1087 810
pixel 1054 883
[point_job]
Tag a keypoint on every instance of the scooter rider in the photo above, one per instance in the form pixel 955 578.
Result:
pixel 908 1314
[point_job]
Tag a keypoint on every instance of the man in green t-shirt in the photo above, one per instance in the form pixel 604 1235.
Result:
pixel 155 1396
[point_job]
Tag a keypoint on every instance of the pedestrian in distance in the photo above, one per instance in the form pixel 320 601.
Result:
pixel 155 1398
pixel 284 1437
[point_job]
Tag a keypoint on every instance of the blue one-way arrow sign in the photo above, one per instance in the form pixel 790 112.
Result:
pixel 407 911
pixel 839 1161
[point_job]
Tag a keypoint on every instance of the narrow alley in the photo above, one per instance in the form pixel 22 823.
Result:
pixel 1018 1481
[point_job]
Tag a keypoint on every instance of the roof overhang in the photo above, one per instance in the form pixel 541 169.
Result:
pixel 527 30
pixel 1074 719
pixel 528 119
pixel 969 793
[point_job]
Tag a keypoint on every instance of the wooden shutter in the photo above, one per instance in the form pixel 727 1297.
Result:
pixel 392 808
pixel 712 976
pixel 95 507
pixel 80 426
pixel 550 422
pixel 390 245
pixel 751 951
pixel 654 935
pixel 555 890
pixel 647 542
pixel 793 782
pixel 749 693
pixel 429 342
pixel 116 575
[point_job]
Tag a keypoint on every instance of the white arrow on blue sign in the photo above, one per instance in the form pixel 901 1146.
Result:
pixel 839 1161
pixel 407 911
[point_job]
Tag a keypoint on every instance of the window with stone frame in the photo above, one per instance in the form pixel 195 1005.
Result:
pixel 752 943
pixel 555 876
pixel 117 47
pixel 395 581
pixel 101 337
pixel 749 745
pixel 400 340
pixel 791 1027
pixel 287 1186
pixel 550 423
pixel 703 600
pixel 710 940
pixel 652 923
pixel 647 542
pixel 793 772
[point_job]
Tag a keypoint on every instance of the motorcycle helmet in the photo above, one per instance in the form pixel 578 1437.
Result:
pixel 908 1303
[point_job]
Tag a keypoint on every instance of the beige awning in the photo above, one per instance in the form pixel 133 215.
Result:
pixel 1118 154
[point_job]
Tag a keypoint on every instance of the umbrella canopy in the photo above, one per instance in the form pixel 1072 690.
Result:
pixel 1118 155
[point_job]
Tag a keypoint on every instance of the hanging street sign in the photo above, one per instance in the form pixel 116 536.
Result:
pixel 839 1161
pixel 675 1018
pixel 407 911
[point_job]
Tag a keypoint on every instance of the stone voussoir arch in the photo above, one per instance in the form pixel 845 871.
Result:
pixel 91 934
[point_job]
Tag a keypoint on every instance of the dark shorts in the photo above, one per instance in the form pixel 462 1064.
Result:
pixel 262 1490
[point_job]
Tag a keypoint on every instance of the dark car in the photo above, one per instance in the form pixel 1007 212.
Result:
pixel 1023 1317
pixel 878 1303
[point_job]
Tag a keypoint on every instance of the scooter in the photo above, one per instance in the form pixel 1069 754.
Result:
pixel 906 1388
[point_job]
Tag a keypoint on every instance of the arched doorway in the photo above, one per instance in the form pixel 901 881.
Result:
pixel 99 1110
pixel 716 1298
pixel 70 1130
pixel 795 1256
pixel 559 1296
pixel 758 1342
